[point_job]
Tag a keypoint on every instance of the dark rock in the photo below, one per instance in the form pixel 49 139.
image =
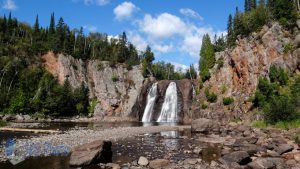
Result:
pixel 284 148
pixel 203 125
pixel 266 163
pixel 159 163
pixel 91 153
pixel 9 117
pixel 240 157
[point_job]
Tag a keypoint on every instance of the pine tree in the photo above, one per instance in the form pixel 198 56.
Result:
pixel 247 6
pixel 52 24
pixel 36 25
pixel 148 58
pixel 230 33
pixel 252 4
pixel 207 57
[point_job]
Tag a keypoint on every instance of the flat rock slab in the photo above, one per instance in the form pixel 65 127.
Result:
pixel 284 148
pixel 240 157
pixel 91 153
pixel 158 163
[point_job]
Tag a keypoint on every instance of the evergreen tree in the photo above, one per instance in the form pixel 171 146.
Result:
pixel 148 58
pixel 36 26
pixel 52 24
pixel 230 33
pixel 207 57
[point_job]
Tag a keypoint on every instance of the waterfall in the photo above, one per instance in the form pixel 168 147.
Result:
pixel 150 104
pixel 169 109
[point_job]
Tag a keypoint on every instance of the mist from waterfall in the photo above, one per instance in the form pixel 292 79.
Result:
pixel 169 109
pixel 147 116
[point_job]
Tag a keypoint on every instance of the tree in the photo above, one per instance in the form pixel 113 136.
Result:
pixel 230 33
pixel 52 24
pixel 148 58
pixel 207 57
pixel 36 25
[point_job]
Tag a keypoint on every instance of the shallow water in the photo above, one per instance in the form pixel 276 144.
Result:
pixel 172 145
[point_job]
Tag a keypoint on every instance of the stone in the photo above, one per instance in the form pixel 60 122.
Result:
pixel 262 163
pixel 284 148
pixel 19 118
pixel 158 163
pixel 240 157
pixel 203 125
pixel 143 161
pixel 27 118
pixel 9 117
pixel 91 153
pixel 190 161
pixel 298 23
pixel 297 40
pixel 113 166
pixel 297 157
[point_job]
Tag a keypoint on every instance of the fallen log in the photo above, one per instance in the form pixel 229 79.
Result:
pixel 29 130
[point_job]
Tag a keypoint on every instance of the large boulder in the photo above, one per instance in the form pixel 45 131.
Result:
pixel 284 148
pixel 240 157
pixel 158 163
pixel 203 125
pixel 91 153
pixel 265 163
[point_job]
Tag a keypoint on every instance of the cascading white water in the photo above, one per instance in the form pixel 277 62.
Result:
pixel 147 116
pixel 169 109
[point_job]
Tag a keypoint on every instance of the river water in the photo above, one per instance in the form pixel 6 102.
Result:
pixel 173 145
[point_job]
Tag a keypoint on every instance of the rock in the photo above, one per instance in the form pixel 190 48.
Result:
pixel 9 117
pixel 113 166
pixel 143 161
pixel 197 151
pixel 298 23
pixel 261 163
pixel 297 40
pixel 27 118
pixel 19 118
pixel 240 157
pixel 203 125
pixel 158 163
pixel 284 148
pixel 91 153
pixel 190 161
pixel 297 157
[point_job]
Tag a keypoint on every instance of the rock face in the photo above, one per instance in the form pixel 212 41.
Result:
pixel 242 67
pixel 115 88
pixel 92 153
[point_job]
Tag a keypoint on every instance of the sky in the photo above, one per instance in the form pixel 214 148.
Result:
pixel 172 28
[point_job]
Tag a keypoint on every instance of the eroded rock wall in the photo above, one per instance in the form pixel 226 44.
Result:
pixel 243 65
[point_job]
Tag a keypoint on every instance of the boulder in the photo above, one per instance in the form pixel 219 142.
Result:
pixel 143 161
pixel 284 148
pixel 9 117
pixel 297 40
pixel 203 125
pixel 266 163
pixel 19 118
pixel 240 157
pixel 190 161
pixel 158 163
pixel 91 153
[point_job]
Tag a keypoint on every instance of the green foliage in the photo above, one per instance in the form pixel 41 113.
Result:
pixel 115 78
pixel 286 125
pixel 259 124
pixel 211 97
pixel 204 106
pixel 220 62
pixel 207 58
pixel 228 100
pixel 288 47
pixel 3 123
pixel 148 58
pixel 166 71
pixel 278 75
pixel 223 88
pixel 92 106
pixel 284 11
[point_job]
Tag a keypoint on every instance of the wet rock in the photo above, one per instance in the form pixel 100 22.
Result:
pixel 240 157
pixel 203 125
pixel 158 163
pixel 284 148
pixel 91 153
pixel 143 161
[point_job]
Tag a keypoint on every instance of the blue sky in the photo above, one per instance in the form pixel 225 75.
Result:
pixel 172 28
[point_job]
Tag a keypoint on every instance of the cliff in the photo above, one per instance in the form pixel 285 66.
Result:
pixel 242 66
pixel 115 88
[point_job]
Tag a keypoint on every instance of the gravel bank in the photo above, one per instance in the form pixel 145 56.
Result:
pixel 63 143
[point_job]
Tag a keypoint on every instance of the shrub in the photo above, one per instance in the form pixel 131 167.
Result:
pixel 204 106
pixel 114 78
pixel 220 62
pixel 288 47
pixel 278 75
pixel 205 75
pixel 228 100
pixel 211 97
pixel 3 123
pixel 223 88
pixel 92 106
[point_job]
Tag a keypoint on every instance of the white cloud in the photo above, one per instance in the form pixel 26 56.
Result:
pixel 179 66
pixel 90 28
pixel 137 40
pixel 191 13
pixel 125 10
pixel 162 48
pixel 93 2
pixel 102 2
pixel 163 26
pixel 9 5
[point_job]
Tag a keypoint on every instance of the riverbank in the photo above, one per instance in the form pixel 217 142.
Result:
pixel 46 145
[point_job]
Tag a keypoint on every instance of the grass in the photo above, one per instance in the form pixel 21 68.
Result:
pixel 279 125
pixel 3 123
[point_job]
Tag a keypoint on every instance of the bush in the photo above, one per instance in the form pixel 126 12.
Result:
pixel 205 75
pixel 228 100
pixel 211 97
pixel 223 88
pixel 220 62
pixel 3 123
pixel 92 106
pixel 278 75
pixel 204 106
pixel 288 47
pixel 115 78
